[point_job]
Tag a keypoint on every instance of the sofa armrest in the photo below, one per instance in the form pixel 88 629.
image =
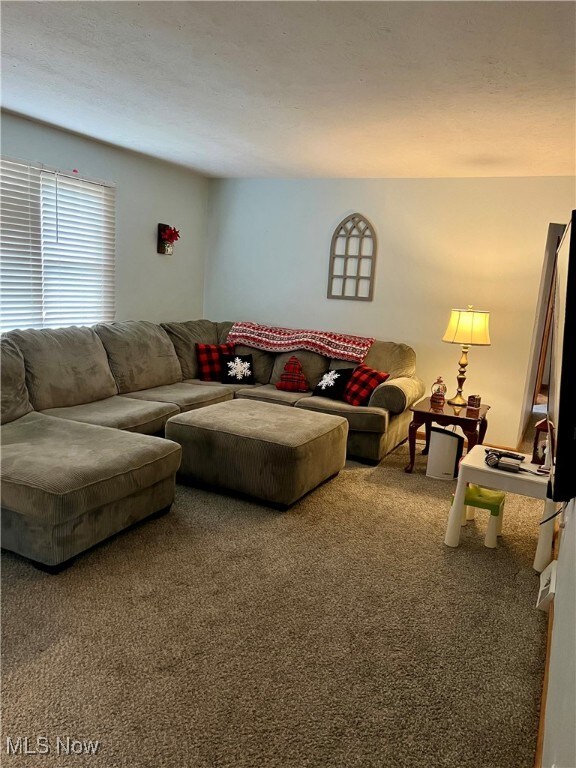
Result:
pixel 396 395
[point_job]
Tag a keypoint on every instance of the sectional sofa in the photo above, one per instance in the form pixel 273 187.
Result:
pixel 83 410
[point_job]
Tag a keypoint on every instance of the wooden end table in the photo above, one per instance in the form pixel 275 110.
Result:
pixel 472 421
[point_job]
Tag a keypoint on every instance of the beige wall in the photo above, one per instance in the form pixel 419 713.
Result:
pixel 442 243
pixel 148 192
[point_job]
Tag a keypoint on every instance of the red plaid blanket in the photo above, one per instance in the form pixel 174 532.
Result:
pixel 272 339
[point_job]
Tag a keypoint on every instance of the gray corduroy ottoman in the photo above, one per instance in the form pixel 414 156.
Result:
pixel 270 452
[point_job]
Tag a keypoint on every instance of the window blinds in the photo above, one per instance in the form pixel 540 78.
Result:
pixel 57 248
pixel 20 247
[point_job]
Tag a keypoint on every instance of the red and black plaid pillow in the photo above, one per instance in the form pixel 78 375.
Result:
pixel 292 378
pixel 362 383
pixel 209 363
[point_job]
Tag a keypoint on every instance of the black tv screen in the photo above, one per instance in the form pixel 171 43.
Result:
pixel 562 390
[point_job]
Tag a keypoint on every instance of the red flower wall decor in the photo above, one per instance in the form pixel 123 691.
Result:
pixel 167 236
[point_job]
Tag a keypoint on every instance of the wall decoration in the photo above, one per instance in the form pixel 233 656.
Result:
pixel 352 260
pixel 167 236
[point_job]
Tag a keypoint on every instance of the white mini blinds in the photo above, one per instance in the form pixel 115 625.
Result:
pixel 57 245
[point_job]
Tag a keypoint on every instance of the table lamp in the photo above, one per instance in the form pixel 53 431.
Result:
pixel 467 327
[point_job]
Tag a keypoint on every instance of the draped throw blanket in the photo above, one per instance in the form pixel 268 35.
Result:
pixel 271 339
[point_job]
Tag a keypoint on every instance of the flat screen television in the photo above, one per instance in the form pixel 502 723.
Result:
pixel 562 390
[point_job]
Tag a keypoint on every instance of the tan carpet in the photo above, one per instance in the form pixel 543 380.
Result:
pixel 342 633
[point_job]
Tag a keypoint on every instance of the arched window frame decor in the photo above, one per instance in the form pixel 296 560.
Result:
pixel 353 253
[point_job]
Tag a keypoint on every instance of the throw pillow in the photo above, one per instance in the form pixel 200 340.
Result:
pixel 292 378
pixel 333 383
pixel 237 369
pixel 362 383
pixel 209 363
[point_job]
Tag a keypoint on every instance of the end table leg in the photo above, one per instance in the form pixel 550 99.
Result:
pixel 452 538
pixel 428 433
pixel 412 445
pixel 544 549
pixel 482 430
pixel 472 438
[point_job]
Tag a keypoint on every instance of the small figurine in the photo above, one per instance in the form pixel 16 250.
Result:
pixel 438 393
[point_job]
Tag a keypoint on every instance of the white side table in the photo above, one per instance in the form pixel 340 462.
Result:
pixel 473 469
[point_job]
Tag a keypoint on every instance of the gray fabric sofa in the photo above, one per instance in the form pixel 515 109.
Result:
pixel 72 474
pixel 374 430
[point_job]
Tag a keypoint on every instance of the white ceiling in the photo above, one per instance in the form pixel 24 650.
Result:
pixel 303 89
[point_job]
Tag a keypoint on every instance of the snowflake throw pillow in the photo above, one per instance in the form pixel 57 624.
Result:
pixel 292 378
pixel 237 369
pixel 333 383
pixel 362 383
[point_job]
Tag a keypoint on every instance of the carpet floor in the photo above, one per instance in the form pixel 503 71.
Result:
pixel 342 633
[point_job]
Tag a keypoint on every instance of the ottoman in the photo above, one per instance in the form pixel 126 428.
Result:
pixel 267 451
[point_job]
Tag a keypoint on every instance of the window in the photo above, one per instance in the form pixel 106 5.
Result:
pixel 57 248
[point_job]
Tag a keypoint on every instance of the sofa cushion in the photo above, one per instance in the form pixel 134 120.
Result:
pixel 64 366
pixel 142 416
pixel 184 395
pixel 292 378
pixel 313 365
pixel 209 358
pixel 223 330
pixel 15 400
pixel 362 383
pixel 396 359
pixel 184 336
pixel 333 383
pixel 360 419
pixel 141 354
pixel 237 369
pixel 269 394
pixel 55 469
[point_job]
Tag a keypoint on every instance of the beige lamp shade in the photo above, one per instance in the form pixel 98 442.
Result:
pixel 468 327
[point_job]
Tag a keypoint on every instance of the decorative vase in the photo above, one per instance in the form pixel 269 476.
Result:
pixel 168 249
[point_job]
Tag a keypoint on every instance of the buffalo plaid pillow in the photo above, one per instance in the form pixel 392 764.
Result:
pixel 209 363
pixel 362 383
pixel 292 378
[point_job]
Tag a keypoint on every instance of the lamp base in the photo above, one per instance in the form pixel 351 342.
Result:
pixel 457 400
